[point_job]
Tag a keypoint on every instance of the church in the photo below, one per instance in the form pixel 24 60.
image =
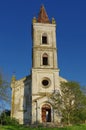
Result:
pixel 30 95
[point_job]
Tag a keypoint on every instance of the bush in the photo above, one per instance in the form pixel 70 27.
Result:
pixel 7 120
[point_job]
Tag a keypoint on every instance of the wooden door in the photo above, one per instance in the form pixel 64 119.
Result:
pixel 43 115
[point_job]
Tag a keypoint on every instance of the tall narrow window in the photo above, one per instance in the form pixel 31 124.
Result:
pixel 45 59
pixel 44 39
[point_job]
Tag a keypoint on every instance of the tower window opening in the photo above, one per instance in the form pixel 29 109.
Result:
pixel 45 59
pixel 44 40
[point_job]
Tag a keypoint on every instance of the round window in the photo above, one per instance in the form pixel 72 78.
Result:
pixel 45 82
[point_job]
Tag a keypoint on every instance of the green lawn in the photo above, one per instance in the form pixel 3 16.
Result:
pixel 78 127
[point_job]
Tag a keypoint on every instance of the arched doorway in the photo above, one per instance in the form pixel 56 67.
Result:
pixel 46 113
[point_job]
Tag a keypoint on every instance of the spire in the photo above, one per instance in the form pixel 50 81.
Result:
pixel 43 17
pixel 13 79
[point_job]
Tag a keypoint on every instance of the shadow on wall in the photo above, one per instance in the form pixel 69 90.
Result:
pixel 27 101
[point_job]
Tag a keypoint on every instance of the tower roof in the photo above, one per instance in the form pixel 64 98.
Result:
pixel 43 17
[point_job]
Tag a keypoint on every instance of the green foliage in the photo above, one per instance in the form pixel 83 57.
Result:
pixel 5 94
pixel 8 121
pixel 19 127
pixel 4 89
pixel 5 119
pixel 70 103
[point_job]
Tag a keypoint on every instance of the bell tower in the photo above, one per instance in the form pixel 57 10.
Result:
pixel 45 72
pixel 44 42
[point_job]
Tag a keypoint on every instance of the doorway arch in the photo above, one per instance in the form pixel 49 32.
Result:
pixel 46 113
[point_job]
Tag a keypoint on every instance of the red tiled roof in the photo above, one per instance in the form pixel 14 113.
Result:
pixel 43 17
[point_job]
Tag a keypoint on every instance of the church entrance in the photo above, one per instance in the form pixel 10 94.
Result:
pixel 46 113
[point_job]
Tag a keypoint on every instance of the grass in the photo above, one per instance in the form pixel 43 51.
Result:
pixel 19 127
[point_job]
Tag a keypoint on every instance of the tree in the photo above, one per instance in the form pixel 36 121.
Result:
pixel 4 92
pixel 70 102
pixel 5 118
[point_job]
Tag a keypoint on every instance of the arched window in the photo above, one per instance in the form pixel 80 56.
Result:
pixel 45 59
pixel 44 38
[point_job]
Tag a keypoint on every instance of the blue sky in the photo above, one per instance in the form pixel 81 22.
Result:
pixel 16 40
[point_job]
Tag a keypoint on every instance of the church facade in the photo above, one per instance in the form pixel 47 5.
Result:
pixel 30 95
